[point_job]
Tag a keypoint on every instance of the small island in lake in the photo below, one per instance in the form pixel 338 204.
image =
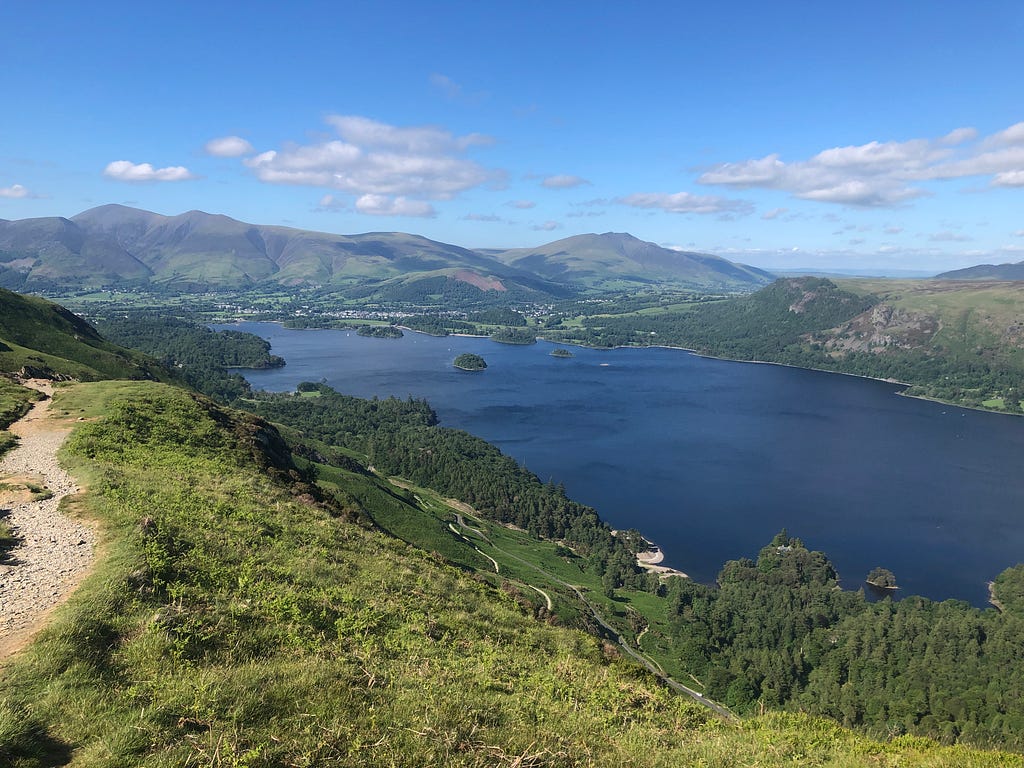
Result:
pixel 561 352
pixel 881 578
pixel 470 362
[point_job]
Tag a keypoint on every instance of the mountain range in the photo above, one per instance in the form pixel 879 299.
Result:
pixel 119 246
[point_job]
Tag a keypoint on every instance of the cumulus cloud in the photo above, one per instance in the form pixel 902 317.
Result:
pixel 14 191
pixel 521 204
pixel 229 146
pixel 382 205
pixel 1009 179
pixel 1019 233
pixel 547 226
pixel 1008 136
pixel 959 136
pixel 882 174
pixel 124 170
pixel 374 160
pixel 685 202
pixel 563 181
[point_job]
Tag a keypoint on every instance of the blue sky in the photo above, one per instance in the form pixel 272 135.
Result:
pixel 875 135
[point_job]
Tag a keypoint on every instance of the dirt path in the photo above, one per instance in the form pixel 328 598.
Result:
pixel 53 552
pixel 653 667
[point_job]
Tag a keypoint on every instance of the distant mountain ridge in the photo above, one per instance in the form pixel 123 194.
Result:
pixel 609 259
pixel 986 272
pixel 115 245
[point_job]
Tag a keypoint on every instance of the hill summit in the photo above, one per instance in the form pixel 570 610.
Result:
pixel 119 246
pixel 612 259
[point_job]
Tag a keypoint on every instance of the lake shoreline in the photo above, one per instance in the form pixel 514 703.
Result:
pixel 697 353
pixel 707 356
pixel 685 446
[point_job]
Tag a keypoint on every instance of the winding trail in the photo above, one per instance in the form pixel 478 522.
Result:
pixel 612 633
pixel 53 552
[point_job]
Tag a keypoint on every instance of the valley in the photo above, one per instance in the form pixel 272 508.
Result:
pixel 511 385
pixel 387 467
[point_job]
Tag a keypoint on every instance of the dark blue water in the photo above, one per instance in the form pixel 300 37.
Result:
pixel 710 458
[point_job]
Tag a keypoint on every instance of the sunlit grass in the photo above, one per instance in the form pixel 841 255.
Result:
pixel 234 621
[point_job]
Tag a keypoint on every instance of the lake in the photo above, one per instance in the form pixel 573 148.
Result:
pixel 711 458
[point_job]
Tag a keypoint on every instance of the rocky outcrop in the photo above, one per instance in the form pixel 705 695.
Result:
pixel 881 328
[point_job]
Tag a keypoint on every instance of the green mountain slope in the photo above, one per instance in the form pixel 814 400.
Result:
pixel 248 611
pixel 118 245
pixel 239 620
pixel 986 272
pixel 615 261
pixel 45 339
pixel 114 245
pixel 958 341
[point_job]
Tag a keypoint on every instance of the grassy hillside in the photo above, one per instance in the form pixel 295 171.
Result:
pixel 961 342
pixel 968 316
pixel 236 620
pixel 618 261
pixel 49 340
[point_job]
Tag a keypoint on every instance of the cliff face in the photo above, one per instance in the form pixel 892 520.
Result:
pixel 881 328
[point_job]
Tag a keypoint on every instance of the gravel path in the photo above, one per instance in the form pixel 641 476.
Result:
pixel 54 552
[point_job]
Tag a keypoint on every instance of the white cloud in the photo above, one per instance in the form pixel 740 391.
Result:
pixel 229 146
pixel 426 139
pixel 1009 179
pixel 685 202
pixel 893 230
pixel 521 204
pixel 331 203
pixel 959 136
pixel 882 174
pixel 1008 136
pixel 481 217
pixel 1019 233
pixel 773 214
pixel 547 226
pixel 563 181
pixel 382 205
pixel 124 170
pixel 862 193
pixel 14 191
pixel 374 160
